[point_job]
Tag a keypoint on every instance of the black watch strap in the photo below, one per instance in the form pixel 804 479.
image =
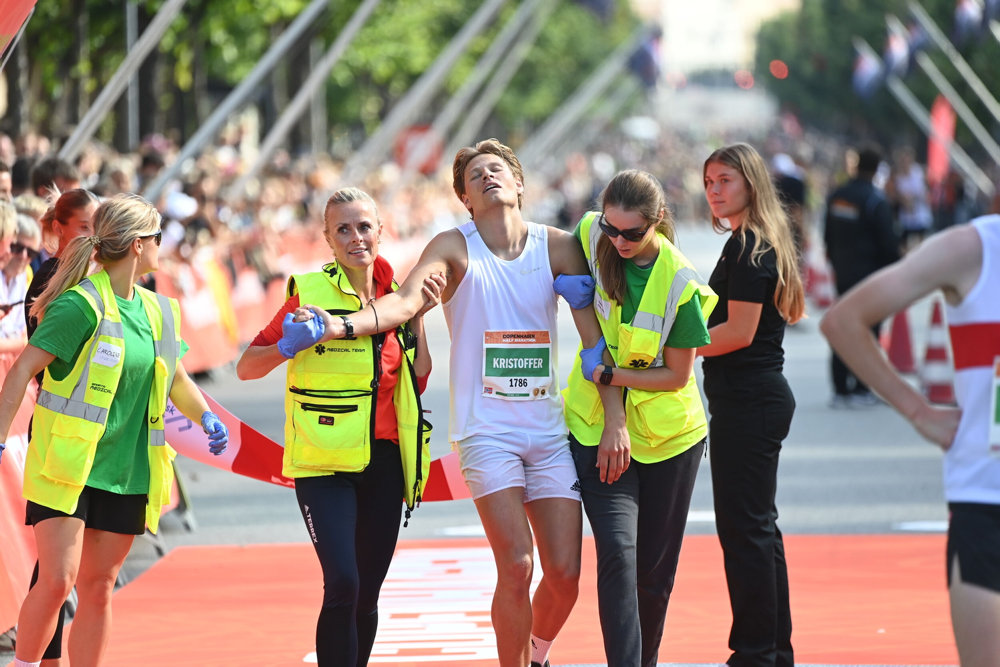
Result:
pixel 607 374
pixel 348 327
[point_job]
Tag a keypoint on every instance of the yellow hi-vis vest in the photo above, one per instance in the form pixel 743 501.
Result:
pixel 331 393
pixel 71 414
pixel 661 424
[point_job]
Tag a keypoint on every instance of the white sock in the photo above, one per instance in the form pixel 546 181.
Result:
pixel 540 649
pixel 22 663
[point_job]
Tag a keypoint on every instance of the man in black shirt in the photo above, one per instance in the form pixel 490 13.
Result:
pixel 860 238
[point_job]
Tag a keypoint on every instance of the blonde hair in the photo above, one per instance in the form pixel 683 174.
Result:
pixel 630 190
pixel 766 218
pixel 8 220
pixel 117 222
pixel 346 196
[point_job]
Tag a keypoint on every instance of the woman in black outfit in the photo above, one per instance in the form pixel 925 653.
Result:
pixel 751 405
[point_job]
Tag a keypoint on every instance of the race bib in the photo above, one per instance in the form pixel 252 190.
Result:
pixel 994 413
pixel 517 365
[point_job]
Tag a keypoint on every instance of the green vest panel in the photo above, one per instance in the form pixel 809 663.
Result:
pixel 71 414
pixel 661 424
pixel 331 393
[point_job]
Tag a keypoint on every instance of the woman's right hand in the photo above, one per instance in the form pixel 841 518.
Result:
pixel 432 290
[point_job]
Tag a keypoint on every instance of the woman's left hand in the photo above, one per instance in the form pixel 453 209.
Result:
pixel 218 433
pixel 432 290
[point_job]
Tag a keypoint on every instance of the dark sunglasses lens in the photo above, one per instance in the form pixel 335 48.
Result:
pixel 632 235
pixel 158 237
pixel 18 248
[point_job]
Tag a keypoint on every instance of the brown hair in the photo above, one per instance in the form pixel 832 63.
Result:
pixel 469 153
pixel 767 220
pixel 117 222
pixel 630 190
pixel 66 204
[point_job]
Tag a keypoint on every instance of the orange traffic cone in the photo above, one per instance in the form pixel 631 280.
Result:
pixel 937 373
pixel 900 347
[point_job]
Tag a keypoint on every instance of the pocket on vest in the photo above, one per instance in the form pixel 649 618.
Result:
pixel 70 454
pixel 656 416
pixel 331 434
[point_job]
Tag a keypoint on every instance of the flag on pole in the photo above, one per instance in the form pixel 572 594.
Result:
pixel 868 74
pixel 968 21
pixel 943 122
pixel 897 54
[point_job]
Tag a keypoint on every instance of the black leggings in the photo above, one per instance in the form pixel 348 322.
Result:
pixel 353 521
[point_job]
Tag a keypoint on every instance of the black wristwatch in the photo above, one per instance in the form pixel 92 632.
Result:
pixel 607 374
pixel 348 327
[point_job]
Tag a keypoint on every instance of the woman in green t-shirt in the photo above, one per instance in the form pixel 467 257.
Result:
pixel 97 467
pixel 637 468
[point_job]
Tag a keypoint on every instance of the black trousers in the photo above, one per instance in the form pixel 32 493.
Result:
pixel 750 416
pixel 846 382
pixel 353 520
pixel 638 525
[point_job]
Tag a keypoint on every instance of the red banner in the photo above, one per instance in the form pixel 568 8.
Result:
pixel 12 17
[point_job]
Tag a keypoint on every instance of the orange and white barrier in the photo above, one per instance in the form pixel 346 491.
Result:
pixel 937 374
pixel 17 543
pixel 900 346
pixel 208 322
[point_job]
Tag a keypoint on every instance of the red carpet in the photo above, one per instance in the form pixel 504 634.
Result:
pixel 855 600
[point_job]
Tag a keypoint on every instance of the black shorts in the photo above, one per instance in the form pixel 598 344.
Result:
pixel 100 510
pixel 974 538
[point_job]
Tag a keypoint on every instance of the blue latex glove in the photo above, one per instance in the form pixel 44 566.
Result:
pixel 591 358
pixel 2 447
pixel 218 434
pixel 298 336
pixel 577 290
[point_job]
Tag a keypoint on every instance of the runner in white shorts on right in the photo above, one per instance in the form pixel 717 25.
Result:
pixel 506 410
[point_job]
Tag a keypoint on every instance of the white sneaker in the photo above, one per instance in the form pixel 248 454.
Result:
pixel 864 400
pixel 840 402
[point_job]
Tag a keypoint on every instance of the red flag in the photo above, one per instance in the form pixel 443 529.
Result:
pixel 11 18
pixel 943 123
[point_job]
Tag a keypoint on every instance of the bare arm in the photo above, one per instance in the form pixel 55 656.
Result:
pixel 432 289
pixel 186 396
pixel 445 255
pixel 950 261
pixel 678 365
pixel 29 364
pixel 736 332
pixel 257 361
pixel 614 451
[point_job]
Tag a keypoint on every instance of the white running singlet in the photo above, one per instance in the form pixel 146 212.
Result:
pixel 502 321
pixel 971 473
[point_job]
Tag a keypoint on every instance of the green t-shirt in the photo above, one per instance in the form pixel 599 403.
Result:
pixel 689 329
pixel 120 462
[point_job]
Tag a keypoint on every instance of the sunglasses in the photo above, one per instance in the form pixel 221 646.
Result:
pixel 633 235
pixel 17 248
pixel 157 237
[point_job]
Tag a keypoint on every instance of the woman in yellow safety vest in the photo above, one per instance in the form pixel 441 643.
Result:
pixel 757 280
pixel 355 440
pixel 652 306
pixel 98 469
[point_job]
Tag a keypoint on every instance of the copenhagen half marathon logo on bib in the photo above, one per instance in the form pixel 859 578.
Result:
pixel 517 365
pixel 107 354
